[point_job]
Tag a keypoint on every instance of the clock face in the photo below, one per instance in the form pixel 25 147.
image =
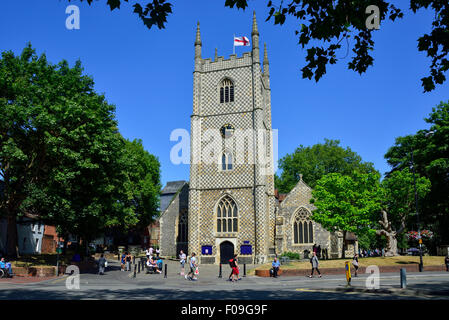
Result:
pixel 227 131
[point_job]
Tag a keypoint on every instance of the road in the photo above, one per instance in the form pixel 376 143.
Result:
pixel 121 285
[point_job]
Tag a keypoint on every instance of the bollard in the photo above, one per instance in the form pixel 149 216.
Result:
pixel 403 278
pixel 348 272
pixel 118 256
pixel 219 272
pixel 165 271
pixel 138 268
pixel 244 269
pixel 135 269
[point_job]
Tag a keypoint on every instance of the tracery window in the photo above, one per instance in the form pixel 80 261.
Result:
pixel 182 227
pixel 227 220
pixel 302 227
pixel 226 91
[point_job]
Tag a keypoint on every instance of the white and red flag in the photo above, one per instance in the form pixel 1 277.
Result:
pixel 241 41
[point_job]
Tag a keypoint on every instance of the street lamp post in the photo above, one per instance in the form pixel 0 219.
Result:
pixel 428 134
pixel 417 218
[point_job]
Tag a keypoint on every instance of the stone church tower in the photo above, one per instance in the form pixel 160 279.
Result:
pixel 231 188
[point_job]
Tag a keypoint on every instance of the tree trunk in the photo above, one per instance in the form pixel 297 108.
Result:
pixel 12 246
pixel 392 243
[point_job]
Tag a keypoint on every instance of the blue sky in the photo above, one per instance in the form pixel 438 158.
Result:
pixel 147 74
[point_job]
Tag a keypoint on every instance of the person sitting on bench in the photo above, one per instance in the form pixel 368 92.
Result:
pixel 160 263
pixel 152 266
pixel 275 268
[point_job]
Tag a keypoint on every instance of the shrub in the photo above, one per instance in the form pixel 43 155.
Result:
pixel 291 255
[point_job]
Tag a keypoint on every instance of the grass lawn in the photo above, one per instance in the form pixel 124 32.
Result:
pixel 363 262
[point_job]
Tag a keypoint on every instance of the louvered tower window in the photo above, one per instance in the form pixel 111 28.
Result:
pixel 226 91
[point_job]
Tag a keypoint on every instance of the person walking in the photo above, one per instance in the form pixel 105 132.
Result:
pixel 446 262
pixel 275 267
pixel 314 261
pixel 101 264
pixel 148 253
pixel 355 263
pixel 182 261
pixel 235 268
pixel 128 261
pixel 123 261
pixel 193 268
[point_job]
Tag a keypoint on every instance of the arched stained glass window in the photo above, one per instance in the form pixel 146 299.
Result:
pixel 302 227
pixel 227 216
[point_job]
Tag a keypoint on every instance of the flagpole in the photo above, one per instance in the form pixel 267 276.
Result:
pixel 233 45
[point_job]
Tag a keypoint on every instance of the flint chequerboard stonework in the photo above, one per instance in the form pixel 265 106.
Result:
pixel 230 205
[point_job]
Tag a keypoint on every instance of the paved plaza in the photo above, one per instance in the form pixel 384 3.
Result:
pixel 116 284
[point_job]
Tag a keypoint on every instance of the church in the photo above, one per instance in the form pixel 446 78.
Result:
pixel 230 204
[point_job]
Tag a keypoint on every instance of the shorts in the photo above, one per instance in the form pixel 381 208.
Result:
pixel 235 271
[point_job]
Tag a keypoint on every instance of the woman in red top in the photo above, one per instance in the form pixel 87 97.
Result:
pixel 235 268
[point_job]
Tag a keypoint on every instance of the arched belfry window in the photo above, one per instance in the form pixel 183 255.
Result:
pixel 226 91
pixel 226 161
pixel 227 215
pixel 302 227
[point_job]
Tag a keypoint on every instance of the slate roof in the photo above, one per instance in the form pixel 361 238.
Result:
pixel 173 186
pixel 170 190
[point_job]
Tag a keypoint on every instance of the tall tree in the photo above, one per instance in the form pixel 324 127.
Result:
pixel 144 187
pixel 347 203
pixel 329 29
pixel 431 160
pixel 398 203
pixel 61 155
pixel 318 160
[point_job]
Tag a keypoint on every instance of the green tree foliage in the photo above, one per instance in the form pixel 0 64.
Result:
pixel 398 202
pixel 329 29
pixel 61 156
pixel 347 203
pixel 144 186
pixel 370 240
pixel 316 161
pixel 152 13
pixel 431 160
pixel 399 196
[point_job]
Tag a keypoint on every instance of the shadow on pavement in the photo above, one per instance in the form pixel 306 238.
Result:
pixel 169 294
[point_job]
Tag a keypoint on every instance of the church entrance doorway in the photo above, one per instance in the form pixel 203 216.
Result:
pixel 226 252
